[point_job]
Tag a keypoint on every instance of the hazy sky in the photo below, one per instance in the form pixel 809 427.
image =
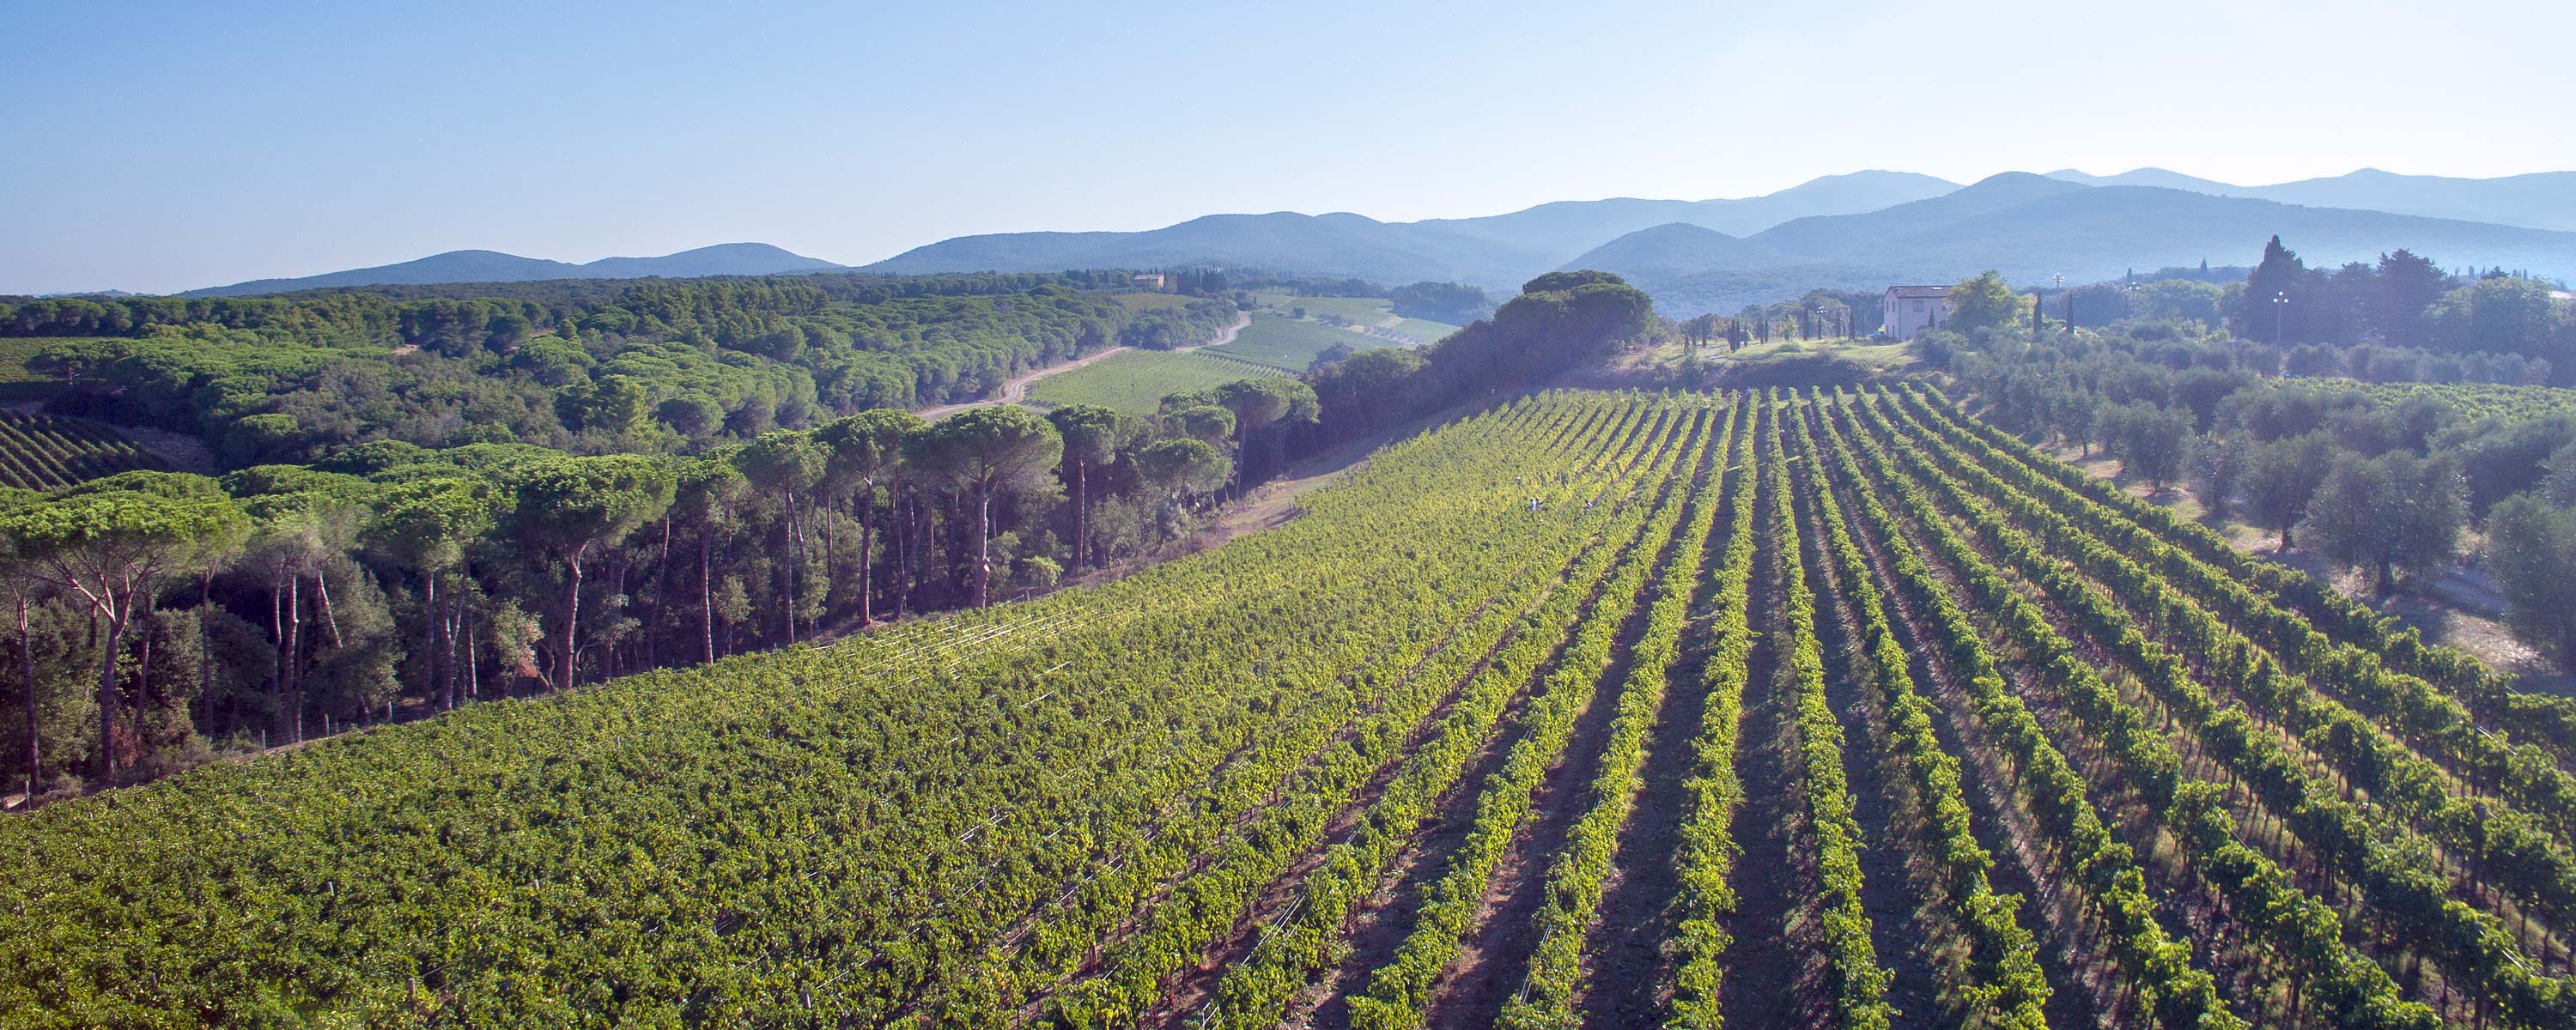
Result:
pixel 161 147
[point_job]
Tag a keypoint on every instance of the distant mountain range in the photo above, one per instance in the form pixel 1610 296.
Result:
pixel 1858 231
pixel 492 266
pixel 2541 200
pixel 1495 251
pixel 2032 228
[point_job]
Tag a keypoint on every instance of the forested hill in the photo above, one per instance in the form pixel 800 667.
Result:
pixel 583 366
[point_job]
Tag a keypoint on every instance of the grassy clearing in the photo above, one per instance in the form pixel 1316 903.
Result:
pixel 1136 382
pixel 1290 345
pixel 1423 331
pixel 1359 310
pixel 1884 357
pixel 17 382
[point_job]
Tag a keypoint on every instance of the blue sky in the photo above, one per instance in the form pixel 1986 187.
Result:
pixel 161 147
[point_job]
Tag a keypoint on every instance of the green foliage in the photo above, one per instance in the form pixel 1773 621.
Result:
pixel 1440 302
pixel 2282 475
pixel 1181 467
pixel 1984 302
pixel 2531 544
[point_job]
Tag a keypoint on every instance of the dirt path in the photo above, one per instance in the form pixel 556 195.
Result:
pixel 1017 389
pixel 184 453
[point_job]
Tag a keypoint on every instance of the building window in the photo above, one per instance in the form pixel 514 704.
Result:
pixel 1918 306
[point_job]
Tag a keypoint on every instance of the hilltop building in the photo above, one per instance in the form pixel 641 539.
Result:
pixel 1912 309
pixel 1147 280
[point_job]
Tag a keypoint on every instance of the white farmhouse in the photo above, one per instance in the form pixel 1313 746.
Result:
pixel 1913 309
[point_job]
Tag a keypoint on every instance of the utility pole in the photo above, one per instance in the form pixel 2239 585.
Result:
pixel 2280 308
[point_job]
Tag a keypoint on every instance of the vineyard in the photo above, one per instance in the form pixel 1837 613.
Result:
pixel 1596 709
pixel 2475 400
pixel 1289 344
pixel 42 451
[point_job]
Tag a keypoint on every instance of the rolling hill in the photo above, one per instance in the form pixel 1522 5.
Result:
pixel 491 266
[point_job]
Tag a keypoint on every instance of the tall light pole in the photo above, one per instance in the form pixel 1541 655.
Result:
pixel 2280 308
pixel 2060 281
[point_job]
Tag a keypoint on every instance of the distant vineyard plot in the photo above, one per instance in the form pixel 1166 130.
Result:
pixel 1421 331
pixel 1137 381
pixel 1355 310
pixel 1819 709
pixel 2472 400
pixel 43 451
pixel 1291 345
pixel 17 381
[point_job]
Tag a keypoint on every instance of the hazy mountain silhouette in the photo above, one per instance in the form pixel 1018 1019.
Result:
pixel 2541 200
pixel 1574 226
pixel 1856 231
pixel 2033 228
pixel 1495 251
pixel 1690 270
pixel 1340 244
pixel 491 266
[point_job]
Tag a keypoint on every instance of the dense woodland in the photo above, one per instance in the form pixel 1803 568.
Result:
pixel 656 366
pixel 403 531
